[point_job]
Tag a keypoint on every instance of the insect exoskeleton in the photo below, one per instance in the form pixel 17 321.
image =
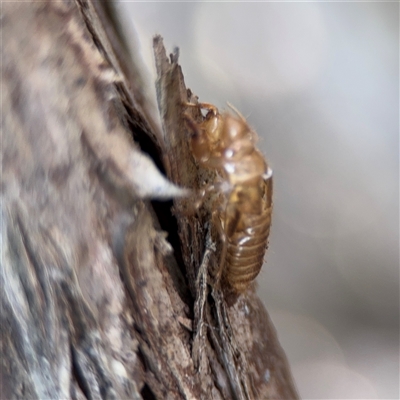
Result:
pixel 225 143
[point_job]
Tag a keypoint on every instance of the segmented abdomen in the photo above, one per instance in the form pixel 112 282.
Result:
pixel 246 246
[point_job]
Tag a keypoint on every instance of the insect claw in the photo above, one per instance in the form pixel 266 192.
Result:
pixel 188 104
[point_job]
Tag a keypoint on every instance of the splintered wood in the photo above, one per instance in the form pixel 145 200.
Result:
pixel 237 343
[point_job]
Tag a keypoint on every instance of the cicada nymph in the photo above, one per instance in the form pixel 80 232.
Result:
pixel 224 142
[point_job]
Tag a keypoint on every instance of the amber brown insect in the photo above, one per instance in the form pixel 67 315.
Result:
pixel 226 143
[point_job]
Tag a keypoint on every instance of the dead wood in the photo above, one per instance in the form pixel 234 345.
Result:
pixel 96 300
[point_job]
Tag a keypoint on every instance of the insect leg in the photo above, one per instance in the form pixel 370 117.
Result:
pixel 206 106
pixel 221 231
pixel 197 199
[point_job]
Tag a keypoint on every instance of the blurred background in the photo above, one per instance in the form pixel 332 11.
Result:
pixel 319 82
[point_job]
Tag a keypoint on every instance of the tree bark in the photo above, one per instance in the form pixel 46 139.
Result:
pixel 107 293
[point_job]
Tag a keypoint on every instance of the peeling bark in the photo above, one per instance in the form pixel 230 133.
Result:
pixel 97 300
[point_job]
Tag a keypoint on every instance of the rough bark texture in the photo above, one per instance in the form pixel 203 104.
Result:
pixel 96 300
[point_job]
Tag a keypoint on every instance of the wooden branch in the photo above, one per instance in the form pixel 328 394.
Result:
pixel 235 345
pixel 95 301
